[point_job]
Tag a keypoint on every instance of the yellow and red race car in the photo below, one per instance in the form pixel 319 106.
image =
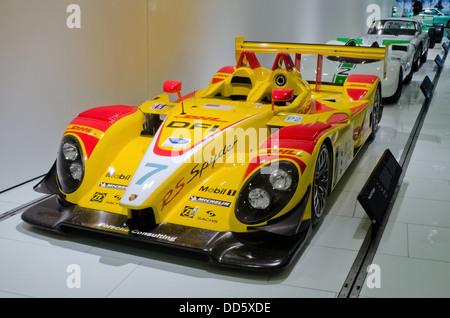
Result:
pixel 239 170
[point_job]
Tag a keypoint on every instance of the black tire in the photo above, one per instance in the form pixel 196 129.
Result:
pixel 432 36
pixel 377 113
pixel 424 57
pixel 438 32
pixel 394 98
pixel 321 184
pixel 408 77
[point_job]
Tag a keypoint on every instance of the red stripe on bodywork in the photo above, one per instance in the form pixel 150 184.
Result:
pixel 175 153
pixel 356 94
pixel 100 118
pixel 358 78
pixel 261 160
pixel 301 137
pixel 89 142
pixel 317 107
pixel 224 70
pixel 358 108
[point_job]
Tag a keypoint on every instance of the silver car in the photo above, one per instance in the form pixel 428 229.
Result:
pixel 397 31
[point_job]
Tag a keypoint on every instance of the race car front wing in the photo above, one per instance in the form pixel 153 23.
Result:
pixel 258 250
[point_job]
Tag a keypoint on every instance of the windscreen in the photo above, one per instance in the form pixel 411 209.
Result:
pixel 393 27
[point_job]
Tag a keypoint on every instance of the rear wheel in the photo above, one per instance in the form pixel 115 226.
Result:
pixel 377 112
pixel 424 57
pixel 432 36
pixel 321 184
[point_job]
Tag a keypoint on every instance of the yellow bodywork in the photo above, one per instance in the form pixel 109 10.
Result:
pixel 203 189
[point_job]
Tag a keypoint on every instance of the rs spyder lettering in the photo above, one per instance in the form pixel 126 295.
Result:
pixel 197 172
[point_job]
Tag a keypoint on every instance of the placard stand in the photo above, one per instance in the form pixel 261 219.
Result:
pixel 378 190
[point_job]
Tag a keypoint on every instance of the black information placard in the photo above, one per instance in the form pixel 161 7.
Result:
pixel 438 61
pixel 427 87
pixel 379 188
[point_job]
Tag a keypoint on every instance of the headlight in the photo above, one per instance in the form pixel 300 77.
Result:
pixel 70 164
pixel 266 194
pixel 280 179
pixel 69 151
pixel 76 171
pixel 259 198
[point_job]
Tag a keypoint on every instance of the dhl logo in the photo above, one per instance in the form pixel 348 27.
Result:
pixel 222 75
pixel 359 85
pixel 282 151
pixel 85 130
pixel 193 117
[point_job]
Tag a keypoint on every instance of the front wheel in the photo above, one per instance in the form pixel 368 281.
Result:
pixel 398 92
pixel 321 184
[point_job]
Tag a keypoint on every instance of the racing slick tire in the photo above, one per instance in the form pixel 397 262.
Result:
pixel 438 32
pixel 377 113
pixel 408 77
pixel 432 36
pixel 398 92
pixel 321 184
pixel 424 57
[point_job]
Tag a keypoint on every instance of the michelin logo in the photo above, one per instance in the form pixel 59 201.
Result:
pixel 209 201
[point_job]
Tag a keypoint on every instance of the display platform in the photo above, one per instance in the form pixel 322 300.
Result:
pixel 412 259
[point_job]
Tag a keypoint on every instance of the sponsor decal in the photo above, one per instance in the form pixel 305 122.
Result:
pixel 185 124
pixel 116 200
pixel 281 151
pixel 195 198
pixel 98 197
pixel 85 130
pixel 222 107
pixel 176 142
pixel 112 186
pixel 218 190
pixel 119 176
pixel 210 218
pixel 202 118
pixel 189 211
pixel 125 230
pixel 114 228
pixel 158 106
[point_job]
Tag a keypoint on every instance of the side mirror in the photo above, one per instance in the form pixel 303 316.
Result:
pixel 172 87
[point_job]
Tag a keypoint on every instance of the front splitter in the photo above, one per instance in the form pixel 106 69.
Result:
pixel 255 250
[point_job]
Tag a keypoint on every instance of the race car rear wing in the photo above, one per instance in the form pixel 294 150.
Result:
pixel 363 52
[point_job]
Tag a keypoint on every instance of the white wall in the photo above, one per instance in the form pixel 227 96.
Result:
pixel 191 39
pixel 50 73
pixel 125 50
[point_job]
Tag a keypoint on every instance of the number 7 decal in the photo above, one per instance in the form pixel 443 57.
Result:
pixel 157 168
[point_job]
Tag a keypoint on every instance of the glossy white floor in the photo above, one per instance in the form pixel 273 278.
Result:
pixel 414 254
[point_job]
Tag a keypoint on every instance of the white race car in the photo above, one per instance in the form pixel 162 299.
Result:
pixel 407 48
pixel 393 73
pixel 398 31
